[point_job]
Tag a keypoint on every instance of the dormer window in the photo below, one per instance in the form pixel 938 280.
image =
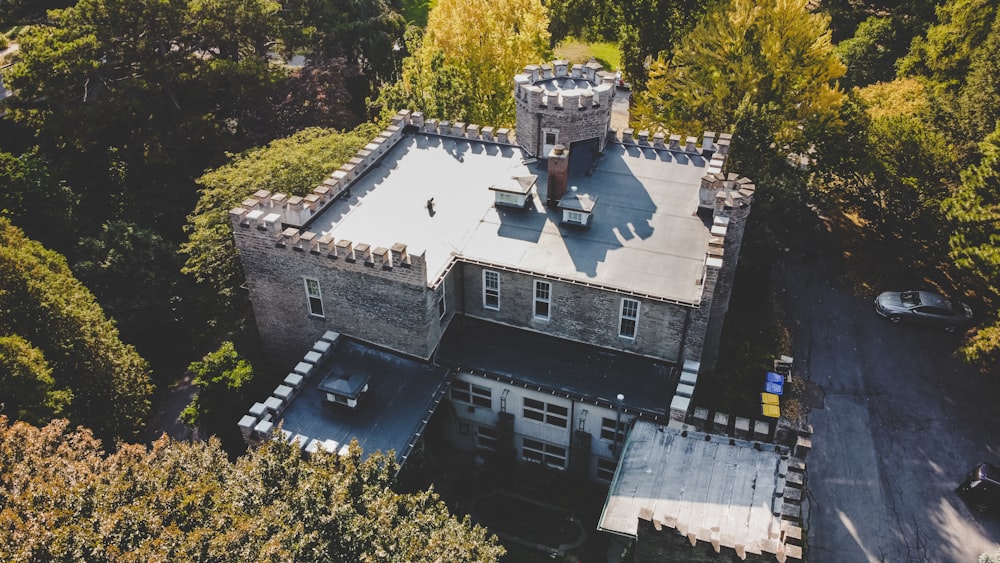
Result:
pixel 516 193
pixel 577 208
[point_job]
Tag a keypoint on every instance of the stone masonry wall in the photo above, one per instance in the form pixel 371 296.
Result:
pixel 581 313
pixel 380 296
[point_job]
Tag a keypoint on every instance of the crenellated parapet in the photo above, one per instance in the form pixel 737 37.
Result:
pixel 258 229
pixel 456 129
pixel 559 103
pixel 715 150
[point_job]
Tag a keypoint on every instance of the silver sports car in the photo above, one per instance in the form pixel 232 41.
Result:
pixel 924 307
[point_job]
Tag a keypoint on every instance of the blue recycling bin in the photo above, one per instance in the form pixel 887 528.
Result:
pixel 775 388
pixel 775 378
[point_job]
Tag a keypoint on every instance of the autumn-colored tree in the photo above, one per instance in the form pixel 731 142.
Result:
pixel 63 498
pixel 63 335
pixel 463 65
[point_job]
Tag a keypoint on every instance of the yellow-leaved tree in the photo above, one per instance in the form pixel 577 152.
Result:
pixel 463 65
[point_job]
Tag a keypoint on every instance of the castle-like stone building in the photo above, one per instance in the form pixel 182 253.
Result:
pixel 550 270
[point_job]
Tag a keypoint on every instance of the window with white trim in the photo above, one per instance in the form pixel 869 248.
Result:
pixel 628 320
pixel 486 438
pixel 511 199
pixel 543 299
pixel 548 413
pixel 540 452
pixel 608 430
pixel 314 296
pixel 574 217
pixel 491 289
pixel 606 469
pixel 473 394
pixel 442 305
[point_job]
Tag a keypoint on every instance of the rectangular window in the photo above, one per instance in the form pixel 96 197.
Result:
pixel 473 394
pixel 550 138
pixel 606 469
pixel 442 306
pixel 315 297
pixel 540 452
pixel 608 430
pixel 629 318
pixel 574 217
pixel 463 428
pixel 546 412
pixel 543 299
pixel 486 438
pixel 491 289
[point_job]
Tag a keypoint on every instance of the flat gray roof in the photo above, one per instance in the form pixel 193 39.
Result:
pixel 644 237
pixel 402 395
pixel 716 489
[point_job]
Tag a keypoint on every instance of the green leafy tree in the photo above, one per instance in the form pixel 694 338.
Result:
pixel 43 304
pixel 977 109
pixel 945 53
pixel 35 199
pixel 26 383
pixel 462 66
pixel 651 29
pixel 973 213
pixel 293 165
pixel 220 377
pixel 868 55
pixel 63 498
pixel 746 54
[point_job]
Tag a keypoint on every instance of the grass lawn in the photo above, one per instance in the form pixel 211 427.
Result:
pixel 415 11
pixel 576 51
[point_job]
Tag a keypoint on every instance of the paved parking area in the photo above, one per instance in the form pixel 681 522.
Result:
pixel 897 421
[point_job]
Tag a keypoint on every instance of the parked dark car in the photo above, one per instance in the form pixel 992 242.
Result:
pixel 924 307
pixel 981 487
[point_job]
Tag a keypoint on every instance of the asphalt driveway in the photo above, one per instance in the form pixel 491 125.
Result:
pixel 897 422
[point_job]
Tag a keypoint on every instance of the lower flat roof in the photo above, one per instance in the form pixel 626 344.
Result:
pixel 575 369
pixel 717 489
pixel 401 397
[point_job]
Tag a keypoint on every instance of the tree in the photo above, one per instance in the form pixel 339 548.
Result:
pixel 973 214
pixel 748 54
pixel 63 498
pixel 945 53
pixel 652 29
pixel 51 312
pixel 219 377
pixel 35 199
pixel 293 165
pixel 26 383
pixel 462 67
pixel 868 55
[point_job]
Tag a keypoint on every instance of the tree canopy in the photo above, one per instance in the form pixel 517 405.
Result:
pixel 462 65
pixel 63 498
pixel 745 54
pixel 61 347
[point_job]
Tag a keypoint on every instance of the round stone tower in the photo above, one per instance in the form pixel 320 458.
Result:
pixel 561 105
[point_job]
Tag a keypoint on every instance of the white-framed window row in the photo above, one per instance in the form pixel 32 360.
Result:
pixel 541 452
pixel 556 415
pixel 543 300
pixel 472 394
pixel 314 296
pixel 491 290
pixel 606 469
pixel 486 438
pixel 442 303
pixel 574 217
pixel 628 318
pixel 608 429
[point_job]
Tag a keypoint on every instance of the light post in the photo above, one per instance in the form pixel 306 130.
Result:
pixel 618 423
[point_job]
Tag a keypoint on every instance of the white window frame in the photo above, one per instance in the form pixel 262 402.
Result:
pixel 540 411
pixel 470 393
pixel 314 300
pixel 608 430
pixel 442 304
pixel 604 472
pixel 543 297
pixel 541 452
pixel 628 317
pixel 574 217
pixel 491 290
pixel 486 438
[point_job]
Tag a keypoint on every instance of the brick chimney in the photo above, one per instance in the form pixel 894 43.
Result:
pixel 558 175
